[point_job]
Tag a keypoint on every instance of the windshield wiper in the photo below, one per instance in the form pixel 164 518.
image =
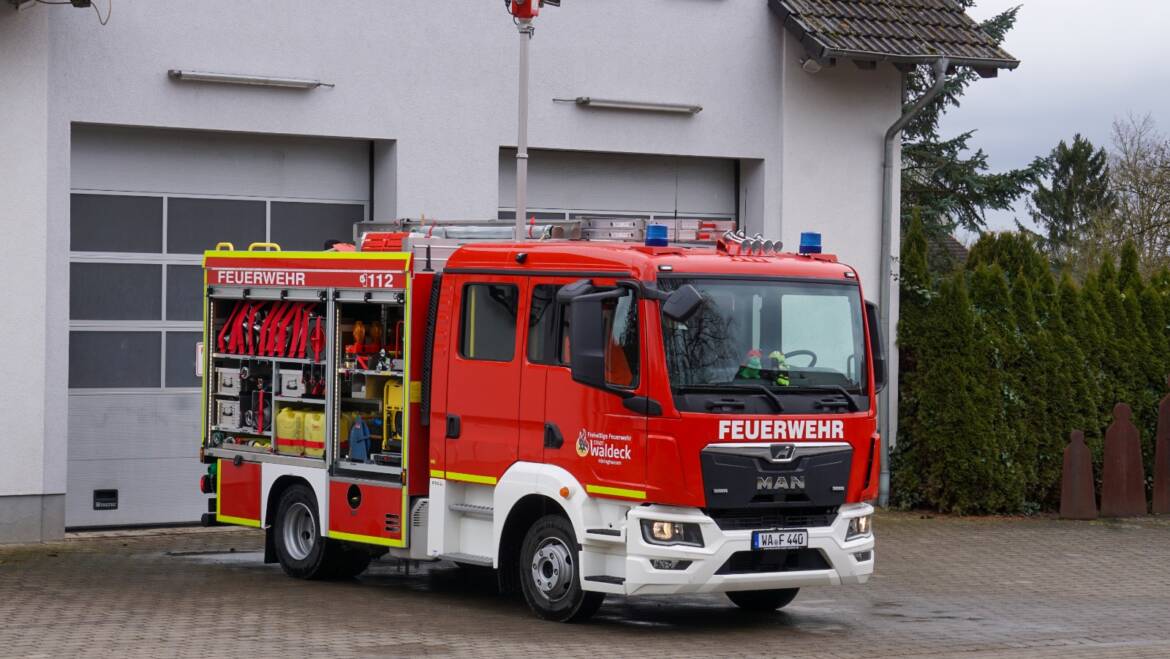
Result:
pixel 834 388
pixel 715 386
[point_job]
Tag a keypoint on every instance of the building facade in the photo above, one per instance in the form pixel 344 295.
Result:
pixel 119 176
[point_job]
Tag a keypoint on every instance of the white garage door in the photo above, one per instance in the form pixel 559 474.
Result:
pixel 575 184
pixel 145 205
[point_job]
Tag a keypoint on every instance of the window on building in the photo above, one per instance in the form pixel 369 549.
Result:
pixel 488 322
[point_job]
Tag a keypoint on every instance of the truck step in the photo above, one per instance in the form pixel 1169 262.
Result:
pixel 604 535
pixel 617 581
pixel 472 509
pixel 472 559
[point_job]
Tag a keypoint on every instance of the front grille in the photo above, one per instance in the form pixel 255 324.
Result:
pixel 776 560
pixel 772 518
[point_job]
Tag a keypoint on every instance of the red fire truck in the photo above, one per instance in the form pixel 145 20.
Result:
pixel 584 417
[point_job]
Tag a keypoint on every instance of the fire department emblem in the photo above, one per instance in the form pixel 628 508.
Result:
pixel 582 444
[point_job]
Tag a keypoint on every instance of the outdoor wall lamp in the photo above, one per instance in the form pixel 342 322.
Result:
pixel 636 106
pixel 238 79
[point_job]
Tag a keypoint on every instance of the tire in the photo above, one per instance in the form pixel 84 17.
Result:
pixel 763 601
pixel 301 550
pixel 549 572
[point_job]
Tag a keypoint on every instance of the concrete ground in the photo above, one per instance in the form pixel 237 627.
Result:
pixel 969 587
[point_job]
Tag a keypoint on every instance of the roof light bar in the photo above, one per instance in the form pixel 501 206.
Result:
pixel 637 106
pixel 240 79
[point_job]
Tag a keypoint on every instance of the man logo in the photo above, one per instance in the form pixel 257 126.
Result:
pixel 779 483
pixel 782 451
pixel 582 444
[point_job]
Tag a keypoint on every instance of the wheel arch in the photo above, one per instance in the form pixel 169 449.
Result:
pixel 523 514
pixel 525 493
pixel 276 479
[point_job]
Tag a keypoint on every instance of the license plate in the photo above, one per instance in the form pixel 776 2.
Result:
pixel 780 539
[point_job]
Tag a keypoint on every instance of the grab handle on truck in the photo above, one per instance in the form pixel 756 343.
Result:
pixel 268 247
pixel 225 246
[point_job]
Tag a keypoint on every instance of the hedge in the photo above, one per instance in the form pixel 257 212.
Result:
pixel 1001 360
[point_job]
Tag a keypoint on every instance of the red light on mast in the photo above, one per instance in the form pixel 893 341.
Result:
pixel 524 9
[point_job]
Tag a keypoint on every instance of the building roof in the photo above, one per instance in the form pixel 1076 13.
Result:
pixel 899 31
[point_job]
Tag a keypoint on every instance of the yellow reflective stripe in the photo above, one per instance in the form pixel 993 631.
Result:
pixel 367 539
pixel 416 391
pixel 470 478
pixel 242 521
pixel 438 473
pixel 615 491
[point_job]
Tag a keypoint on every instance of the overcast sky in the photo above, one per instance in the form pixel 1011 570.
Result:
pixel 1084 63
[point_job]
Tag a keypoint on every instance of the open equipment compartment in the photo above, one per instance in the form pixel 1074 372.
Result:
pixel 267 363
pixel 371 405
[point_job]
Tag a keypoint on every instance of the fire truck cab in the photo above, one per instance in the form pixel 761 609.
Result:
pixel 584 417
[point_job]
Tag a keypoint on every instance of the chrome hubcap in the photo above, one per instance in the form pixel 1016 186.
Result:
pixel 552 569
pixel 300 531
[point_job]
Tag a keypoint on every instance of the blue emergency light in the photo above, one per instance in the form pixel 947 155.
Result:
pixel 810 242
pixel 656 235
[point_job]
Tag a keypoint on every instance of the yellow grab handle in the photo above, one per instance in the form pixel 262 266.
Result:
pixel 271 247
pixel 225 246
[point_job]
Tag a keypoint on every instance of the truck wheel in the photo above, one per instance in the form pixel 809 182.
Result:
pixel 763 601
pixel 297 535
pixel 550 572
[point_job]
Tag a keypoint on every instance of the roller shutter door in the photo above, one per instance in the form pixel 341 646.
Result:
pixel 681 192
pixel 144 205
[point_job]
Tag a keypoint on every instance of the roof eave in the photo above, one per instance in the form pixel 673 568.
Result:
pixel 819 50
pixel 974 62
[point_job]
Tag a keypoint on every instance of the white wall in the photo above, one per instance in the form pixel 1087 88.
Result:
pixel 30 467
pixel 834 125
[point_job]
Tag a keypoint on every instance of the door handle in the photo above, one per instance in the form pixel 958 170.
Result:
pixel 552 436
pixel 453 426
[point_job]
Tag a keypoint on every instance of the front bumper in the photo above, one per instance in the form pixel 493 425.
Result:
pixel 709 570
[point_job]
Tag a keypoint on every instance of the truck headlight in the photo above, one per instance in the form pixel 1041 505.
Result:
pixel 859 527
pixel 671 533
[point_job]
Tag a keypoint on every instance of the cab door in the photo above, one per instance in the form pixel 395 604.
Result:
pixel 604 439
pixel 483 378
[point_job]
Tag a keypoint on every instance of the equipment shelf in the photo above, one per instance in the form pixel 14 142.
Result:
pixel 246 432
pixel 268 358
pixel 361 371
pixel 307 401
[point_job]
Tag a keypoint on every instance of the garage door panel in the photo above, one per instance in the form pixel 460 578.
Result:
pixel 184 292
pixel 159 198
pixel 305 226
pixel 196 225
pixel 118 426
pixel 616 182
pixel 115 291
pixel 115 223
pixel 114 359
pixel 150 491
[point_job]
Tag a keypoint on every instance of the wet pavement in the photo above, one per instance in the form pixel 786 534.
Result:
pixel 967 587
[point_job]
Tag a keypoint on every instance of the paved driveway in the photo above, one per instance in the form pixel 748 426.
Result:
pixel 973 587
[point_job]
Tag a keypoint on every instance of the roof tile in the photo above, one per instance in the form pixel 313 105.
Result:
pixel 911 31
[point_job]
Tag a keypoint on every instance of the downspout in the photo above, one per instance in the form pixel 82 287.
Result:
pixel 889 207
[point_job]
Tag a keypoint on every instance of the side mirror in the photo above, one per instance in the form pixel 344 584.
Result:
pixel 587 339
pixel 877 346
pixel 682 303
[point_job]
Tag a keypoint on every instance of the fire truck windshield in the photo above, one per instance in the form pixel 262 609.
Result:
pixel 791 337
